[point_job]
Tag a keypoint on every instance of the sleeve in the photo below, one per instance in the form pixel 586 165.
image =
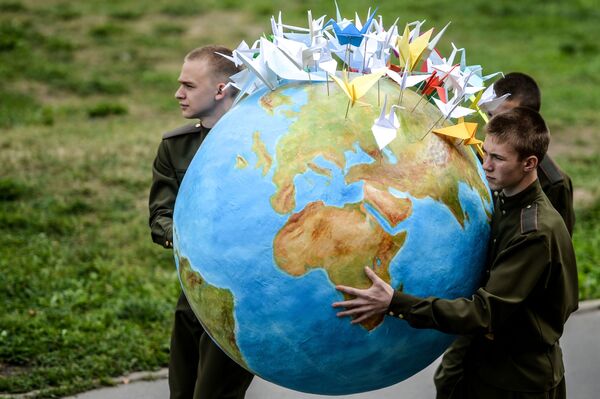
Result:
pixel 513 277
pixel 161 201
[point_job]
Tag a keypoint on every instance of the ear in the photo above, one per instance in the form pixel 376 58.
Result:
pixel 530 163
pixel 220 94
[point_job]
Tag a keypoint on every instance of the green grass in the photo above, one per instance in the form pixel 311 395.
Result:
pixel 87 89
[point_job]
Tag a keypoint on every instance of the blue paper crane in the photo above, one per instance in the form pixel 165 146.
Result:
pixel 350 34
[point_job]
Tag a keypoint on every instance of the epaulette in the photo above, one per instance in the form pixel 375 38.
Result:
pixel 187 129
pixel 529 221
pixel 550 169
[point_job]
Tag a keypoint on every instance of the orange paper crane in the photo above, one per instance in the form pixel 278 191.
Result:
pixel 464 131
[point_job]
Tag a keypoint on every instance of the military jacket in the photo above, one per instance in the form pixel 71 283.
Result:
pixel 558 187
pixel 528 292
pixel 174 155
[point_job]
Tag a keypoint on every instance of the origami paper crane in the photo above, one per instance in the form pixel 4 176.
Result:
pixel 334 46
pixel 434 58
pixel 385 127
pixel 431 83
pixel 433 42
pixel 349 33
pixel 383 41
pixel 300 48
pixel 413 47
pixel 242 48
pixel 297 52
pixel 416 32
pixel 284 65
pixel 477 79
pixel 277 26
pixel 259 68
pixel 311 36
pixel 359 86
pixel 245 82
pixel 411 52
pixel 488 100
pixel 464 131
pixel 451 73
pixel 406 79
pixel 464 84
pixel 452 109
pixel 326 62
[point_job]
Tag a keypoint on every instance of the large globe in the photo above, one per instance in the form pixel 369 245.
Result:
pixel 287 197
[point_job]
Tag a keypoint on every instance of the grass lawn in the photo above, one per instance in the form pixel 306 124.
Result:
pixel 86 92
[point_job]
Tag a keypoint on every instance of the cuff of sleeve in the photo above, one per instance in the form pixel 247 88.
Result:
pixel 169 233
pixel 163 235
pixel 401 304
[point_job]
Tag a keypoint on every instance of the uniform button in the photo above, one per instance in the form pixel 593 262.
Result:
pixel 528 206
pixel 198 124
pixel 400 316
pixel 494 240
pixel 495 193
pixel 504 212
pixel 391 313
pixel 502 200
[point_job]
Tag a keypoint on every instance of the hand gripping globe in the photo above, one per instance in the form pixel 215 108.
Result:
pixel 290 195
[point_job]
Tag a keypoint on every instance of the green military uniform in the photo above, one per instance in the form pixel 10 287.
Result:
pixel 558 187
pixel 197 367
pixel 517 317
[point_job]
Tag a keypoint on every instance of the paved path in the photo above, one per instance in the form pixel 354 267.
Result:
pixel 580 343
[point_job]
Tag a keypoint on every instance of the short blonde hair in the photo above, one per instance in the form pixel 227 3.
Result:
pixel 221 67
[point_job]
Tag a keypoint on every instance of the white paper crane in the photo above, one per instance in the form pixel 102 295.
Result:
pixel 386 127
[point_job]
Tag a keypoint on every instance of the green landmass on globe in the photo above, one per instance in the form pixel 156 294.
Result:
pixel 217 318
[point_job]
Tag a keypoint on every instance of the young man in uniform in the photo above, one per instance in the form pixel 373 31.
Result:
pixel 197 367
pixel 557 186
pixel 530 285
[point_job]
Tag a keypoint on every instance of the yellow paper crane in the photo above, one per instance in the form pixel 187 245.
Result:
pixel 359 86
pixel 475 105
pixel 411 53
pixel 464 131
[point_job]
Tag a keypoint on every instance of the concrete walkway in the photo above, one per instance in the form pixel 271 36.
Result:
pixel 580 344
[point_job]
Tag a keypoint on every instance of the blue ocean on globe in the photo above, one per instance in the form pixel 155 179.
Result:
pixel 281 163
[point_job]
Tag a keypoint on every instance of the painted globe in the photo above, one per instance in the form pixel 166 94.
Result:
pixel 288 197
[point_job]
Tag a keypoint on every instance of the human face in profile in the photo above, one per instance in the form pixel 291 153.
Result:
pixel 198 91
pixel 504 170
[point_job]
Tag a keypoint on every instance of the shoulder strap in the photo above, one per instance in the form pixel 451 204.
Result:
pixel 187 129
pixel 529 221
pixel 550 169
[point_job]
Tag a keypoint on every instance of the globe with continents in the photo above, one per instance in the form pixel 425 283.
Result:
pixel 288 197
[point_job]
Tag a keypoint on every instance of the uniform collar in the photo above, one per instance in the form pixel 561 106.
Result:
pixel 522 199
pixel 203 130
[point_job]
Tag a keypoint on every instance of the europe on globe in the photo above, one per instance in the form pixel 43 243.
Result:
pixel 290 195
